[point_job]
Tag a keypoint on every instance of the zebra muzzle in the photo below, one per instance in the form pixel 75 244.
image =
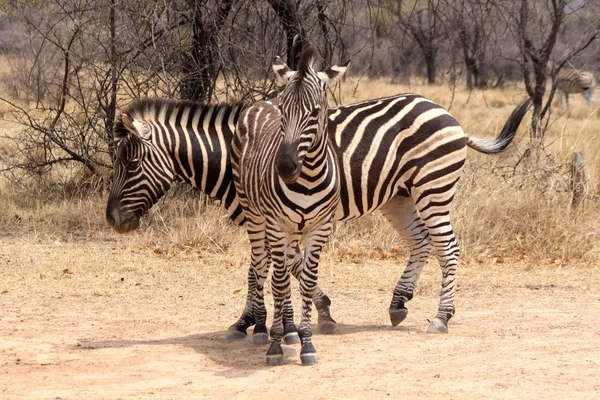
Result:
pixel 121 223
pixel 288 166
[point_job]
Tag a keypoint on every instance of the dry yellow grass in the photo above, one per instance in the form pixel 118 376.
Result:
pixel 497 213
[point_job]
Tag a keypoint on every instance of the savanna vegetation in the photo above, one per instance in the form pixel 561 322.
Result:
pixel 68 66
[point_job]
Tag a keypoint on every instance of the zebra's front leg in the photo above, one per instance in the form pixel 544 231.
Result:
pixel 280 286
pixel 254 311
pixel 327 324
pixel 308 282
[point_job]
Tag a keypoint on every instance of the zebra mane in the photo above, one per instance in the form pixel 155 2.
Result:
pixel 306 61
pixel 150 109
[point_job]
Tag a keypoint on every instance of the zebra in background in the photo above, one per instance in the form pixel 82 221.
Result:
pixel 573 81
pixel 287 178
pixel 161 141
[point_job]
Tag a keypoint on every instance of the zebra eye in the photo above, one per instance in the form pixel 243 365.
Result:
pixel 315 112
pixel 133 164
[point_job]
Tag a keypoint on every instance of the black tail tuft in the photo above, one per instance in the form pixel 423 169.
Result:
pixel 503 140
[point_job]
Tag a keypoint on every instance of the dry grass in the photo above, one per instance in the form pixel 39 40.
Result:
pixel 499 211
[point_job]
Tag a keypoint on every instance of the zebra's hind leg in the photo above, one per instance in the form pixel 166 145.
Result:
pixel 402 214
pixel 589 97
pixel 255 311
pixel 434 208
pixel 327 324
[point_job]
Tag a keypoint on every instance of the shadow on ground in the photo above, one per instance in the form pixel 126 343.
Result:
pixel 242 356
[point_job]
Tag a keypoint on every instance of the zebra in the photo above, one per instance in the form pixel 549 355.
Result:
pixel 161 141
pixel 286 175
pixel 573 81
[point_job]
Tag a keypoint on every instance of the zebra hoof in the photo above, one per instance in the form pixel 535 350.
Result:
pixel 308 354
pixel 397 315
pixel 235 335
pixel 274 360
pixel 291 338
pixel 275 354
pixel 328 327
pixel 437 326
pixel 308 359
pixel 260 338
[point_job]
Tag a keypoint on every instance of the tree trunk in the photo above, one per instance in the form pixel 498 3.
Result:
pixel 430 61
pixel 197 83
pixel 289 17
pixel 201 65
pixel 538 97
pixel 111 108
pixel 469 79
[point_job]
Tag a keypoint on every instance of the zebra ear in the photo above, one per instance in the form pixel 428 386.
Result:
pixel 282 71
pixel 334 73
pixel 136 128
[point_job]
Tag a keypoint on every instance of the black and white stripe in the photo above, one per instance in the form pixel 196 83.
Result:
pixel 373 176
pixel 573 81
pixel 287 178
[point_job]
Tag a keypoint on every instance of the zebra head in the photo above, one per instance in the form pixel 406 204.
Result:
pixel 303 111
pixel 142 175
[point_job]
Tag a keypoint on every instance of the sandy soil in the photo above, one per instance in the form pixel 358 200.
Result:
pixel 98 319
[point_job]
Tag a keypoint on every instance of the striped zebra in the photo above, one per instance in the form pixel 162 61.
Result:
pixel 573 81
pixel 286 175
pixel 381 145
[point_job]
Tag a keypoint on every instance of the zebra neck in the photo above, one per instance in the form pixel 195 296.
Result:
pixel 315 162
pixel 319 146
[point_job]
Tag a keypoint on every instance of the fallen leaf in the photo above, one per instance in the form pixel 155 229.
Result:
pixel 4 291
pixel 236 291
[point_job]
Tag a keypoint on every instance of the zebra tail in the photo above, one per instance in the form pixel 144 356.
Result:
pixel 501 142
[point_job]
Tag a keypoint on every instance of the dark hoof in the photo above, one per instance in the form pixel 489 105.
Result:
pixel 327 327
pixel 397 315
pixel 308 358
pixel 275 360
pixel 234 335
pixel 308 354
pixel 437 326
pixel 275 354
pixel 291 338
pixel 260 338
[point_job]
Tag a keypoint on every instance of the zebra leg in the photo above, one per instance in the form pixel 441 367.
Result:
pixel 434 209
pixel 280 286
pixel 308 282
pixel 560 98
pixel 255 311
pixel 402 214
pixel 327 324
pixel 290 331
pixel 589 96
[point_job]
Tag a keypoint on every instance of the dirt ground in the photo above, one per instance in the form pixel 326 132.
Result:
pixel 100 319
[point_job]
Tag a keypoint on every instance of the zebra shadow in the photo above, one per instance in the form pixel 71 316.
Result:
pixel 241 357
pixel 351 329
